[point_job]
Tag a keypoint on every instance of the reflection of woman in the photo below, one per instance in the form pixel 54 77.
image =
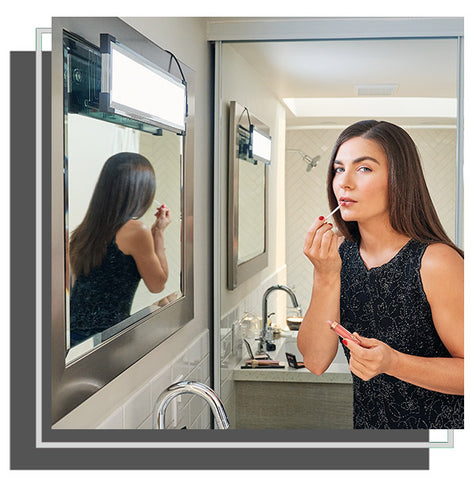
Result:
pixel 396 279
pixel 111 251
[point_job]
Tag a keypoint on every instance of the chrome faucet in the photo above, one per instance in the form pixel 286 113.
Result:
pixel 263 339
pixel 195 388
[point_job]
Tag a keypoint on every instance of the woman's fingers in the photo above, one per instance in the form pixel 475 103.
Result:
pixel 327 241
pixel 318 222
pixel 318 237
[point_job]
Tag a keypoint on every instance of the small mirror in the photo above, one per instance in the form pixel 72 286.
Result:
pixel 248 160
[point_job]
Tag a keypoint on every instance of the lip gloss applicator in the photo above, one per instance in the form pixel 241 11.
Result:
pixel 333 211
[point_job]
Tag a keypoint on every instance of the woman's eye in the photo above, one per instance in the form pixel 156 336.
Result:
pixel 365 169
pixel 338 169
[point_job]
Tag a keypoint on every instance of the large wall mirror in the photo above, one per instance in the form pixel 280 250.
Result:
pixel 280 77
pixel 103 310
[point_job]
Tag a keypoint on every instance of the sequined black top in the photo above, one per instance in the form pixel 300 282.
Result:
pixel 104 297
pixel 388 303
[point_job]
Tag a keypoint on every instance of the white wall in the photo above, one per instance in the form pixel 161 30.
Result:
pixel 242 84
pixel 186 38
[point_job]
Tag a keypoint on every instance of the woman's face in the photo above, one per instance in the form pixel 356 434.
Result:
pixel 361 180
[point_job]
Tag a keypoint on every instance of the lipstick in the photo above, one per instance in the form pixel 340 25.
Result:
pixel 342 332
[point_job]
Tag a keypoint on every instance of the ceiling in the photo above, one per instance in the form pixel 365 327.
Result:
pixel 315 69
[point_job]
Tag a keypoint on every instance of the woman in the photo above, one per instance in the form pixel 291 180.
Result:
pixel 110 251
pixel 396 280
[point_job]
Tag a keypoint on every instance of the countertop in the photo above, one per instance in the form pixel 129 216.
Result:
pixel 336 373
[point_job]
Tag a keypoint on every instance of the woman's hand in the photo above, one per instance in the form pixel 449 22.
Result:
pixel 162 219
pixel 320 247
pixel 371 358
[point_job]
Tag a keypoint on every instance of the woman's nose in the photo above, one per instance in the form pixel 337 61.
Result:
pixel 345 182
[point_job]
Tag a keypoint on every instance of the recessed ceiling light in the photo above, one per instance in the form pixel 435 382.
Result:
pixel 422 107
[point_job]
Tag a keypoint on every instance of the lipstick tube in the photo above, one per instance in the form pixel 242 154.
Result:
pixel 342 332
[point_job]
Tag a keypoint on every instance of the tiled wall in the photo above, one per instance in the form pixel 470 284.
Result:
pixel 186 410
pixel 232 346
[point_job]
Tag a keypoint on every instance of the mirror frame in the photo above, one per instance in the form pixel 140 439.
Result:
pixel 239 273
pixel 71 385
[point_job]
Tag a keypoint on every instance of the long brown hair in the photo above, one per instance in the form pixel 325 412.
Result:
pixel 412 212
pixel 125 189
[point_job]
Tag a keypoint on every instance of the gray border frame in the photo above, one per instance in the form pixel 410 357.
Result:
pixel 73 384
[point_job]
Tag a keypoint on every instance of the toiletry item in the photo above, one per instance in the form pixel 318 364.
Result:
pixel 255 362
pixel 342 332
pixel 332 213
pixel 264 356
pixel 246 367
pixel 294 322
pixel 292 362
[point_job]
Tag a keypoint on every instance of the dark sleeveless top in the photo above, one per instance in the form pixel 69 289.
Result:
pixel 104 297
pixel 388 303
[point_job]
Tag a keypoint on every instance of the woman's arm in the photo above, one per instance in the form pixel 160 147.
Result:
pixel 442 278
pixel 316 341
pixel 161 223
pixel 136 239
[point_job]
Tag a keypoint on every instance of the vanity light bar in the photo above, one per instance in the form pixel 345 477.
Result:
pixel 133 87
pixel 261 146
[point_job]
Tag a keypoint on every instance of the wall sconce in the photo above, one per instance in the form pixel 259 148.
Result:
pixel 261 146
pixel 253 145
pixel 134 87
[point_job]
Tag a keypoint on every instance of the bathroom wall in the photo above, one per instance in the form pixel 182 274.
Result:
pixel 129 392
pixel 242 84
pixel 306 196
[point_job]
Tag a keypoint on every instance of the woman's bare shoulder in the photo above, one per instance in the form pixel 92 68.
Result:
pixel 441 261
pixel 440 255
pixel 133 227
pixel 132 234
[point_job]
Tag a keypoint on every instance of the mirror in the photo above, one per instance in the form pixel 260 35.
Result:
pixel 247 198
pixel 109 135
pixel 114 304
pixel 274 77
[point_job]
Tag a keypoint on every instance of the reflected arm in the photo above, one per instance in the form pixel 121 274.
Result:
pixel 136 239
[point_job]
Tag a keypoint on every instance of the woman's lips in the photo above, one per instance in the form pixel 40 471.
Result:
pixel 347 202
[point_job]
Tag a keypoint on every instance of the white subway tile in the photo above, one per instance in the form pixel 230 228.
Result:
pixel 137 408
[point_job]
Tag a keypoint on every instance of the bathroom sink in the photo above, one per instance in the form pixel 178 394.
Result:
pixel 287 345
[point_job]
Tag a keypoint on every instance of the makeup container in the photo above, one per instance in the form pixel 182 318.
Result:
pixel 342 332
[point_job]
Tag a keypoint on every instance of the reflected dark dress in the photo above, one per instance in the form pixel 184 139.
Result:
pixel 388 303
pixel 104 297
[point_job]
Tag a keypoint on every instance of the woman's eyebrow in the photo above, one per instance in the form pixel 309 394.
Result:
pixel 359 159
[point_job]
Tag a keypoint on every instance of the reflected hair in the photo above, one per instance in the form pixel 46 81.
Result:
pixel 411 209
pixel 125 189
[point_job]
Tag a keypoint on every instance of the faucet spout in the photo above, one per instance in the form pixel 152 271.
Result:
pixel 194 388
pixel 295 303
